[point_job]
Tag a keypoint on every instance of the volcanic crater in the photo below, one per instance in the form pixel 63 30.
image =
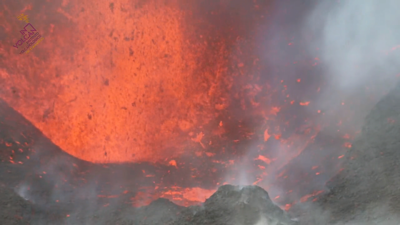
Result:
pixel 190 112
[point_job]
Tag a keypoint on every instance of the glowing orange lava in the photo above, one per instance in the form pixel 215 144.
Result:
pixel 124 81
pixel 177 82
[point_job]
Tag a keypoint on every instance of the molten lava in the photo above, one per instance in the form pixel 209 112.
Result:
pixel 176 82
pixel 135 84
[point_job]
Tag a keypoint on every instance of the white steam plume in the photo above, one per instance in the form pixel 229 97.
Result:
pixel 358 44
pixel 357 40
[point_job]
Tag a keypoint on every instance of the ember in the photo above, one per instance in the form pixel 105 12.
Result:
pixel 138 100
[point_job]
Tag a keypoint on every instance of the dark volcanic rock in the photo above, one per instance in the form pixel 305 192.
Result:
pixel 235 205
pixel 230 205
pixel 14 210
pixel 161 211
pixel 371 172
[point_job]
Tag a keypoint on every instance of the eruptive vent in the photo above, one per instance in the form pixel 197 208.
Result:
pixel 207 92
pixel 127 81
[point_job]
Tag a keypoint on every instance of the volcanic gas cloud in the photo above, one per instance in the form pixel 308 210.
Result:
pixel 179 83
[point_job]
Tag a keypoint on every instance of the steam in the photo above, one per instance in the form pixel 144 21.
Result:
pixel 54 191
pixel 355 46
pixel 358 46
pixel 262 221
pixel 23 191
pixel 357 40
pixel 375 214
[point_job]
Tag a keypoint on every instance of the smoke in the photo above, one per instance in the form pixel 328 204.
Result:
pixel 357 46
pixel 351 51
pixel 23 191
pixel 356 40
pixel 262 221
pixel 354 47
pixel 374 214
pixel 57 185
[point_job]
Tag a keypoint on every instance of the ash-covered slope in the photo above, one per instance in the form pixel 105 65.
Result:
pixel 160 211
pixel 14 210
pixel 231 205
pixel 371 172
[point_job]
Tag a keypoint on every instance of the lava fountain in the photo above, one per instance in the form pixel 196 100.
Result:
pixel 137 83
pixel 176 83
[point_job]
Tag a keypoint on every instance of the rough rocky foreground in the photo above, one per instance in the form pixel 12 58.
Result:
pixel 230 205
pixel 365 192
pixel 247 205
pixel 367 189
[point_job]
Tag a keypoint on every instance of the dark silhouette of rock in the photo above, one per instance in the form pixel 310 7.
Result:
pixel 14 210
pixel 246 205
